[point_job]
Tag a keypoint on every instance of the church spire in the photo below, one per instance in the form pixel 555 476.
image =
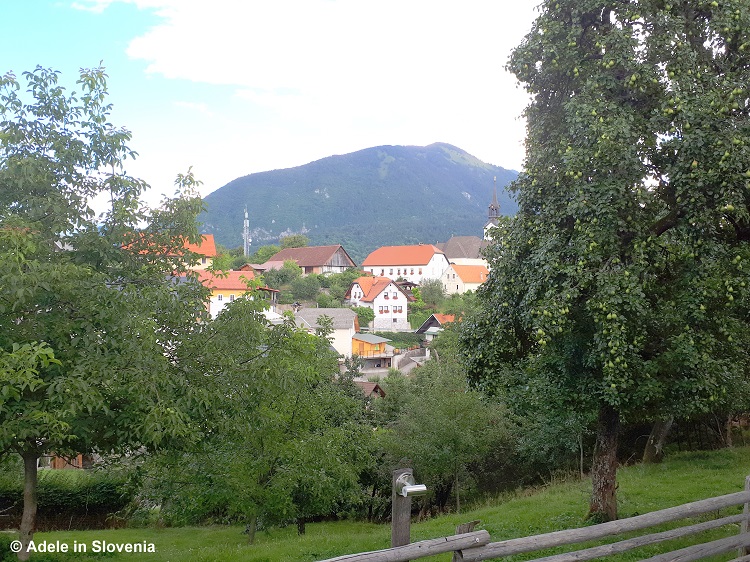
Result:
pixel 493 213
pixel 494 210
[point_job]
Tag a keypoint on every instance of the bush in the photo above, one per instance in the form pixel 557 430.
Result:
pixel 68 498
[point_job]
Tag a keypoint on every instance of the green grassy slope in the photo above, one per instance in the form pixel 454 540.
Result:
pixel 681 479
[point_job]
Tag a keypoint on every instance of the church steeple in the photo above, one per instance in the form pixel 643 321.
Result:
pixel 493 213
pixel 494 209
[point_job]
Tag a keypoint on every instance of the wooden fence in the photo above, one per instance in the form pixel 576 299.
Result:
pixel 476 546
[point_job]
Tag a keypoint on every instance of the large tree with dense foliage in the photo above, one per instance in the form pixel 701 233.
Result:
pixel 621 284
pixel 91 321
pixel 289 440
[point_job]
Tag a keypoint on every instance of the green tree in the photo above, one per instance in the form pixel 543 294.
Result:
pixel 621 284
pixel 305 288
pixel 441 427
pixel 263 253
pixel 290 439
pixel 432 292
pixel 277 278
pixel 90 322
pixel 365 315
pixel 294 241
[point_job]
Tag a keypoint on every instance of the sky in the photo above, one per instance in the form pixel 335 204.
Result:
pixel 234 87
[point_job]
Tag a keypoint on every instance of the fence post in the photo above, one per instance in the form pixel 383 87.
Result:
pixel 461 529
pixel 400 513
pixel 743 550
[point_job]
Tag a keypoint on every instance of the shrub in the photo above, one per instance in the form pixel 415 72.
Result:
pixel 68 498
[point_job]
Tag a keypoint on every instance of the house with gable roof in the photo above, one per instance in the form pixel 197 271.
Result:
pixel 388 301
pixel 230 285
pixel 434 325
pixel 463 278
pixel 412 263
pixel 345 325
pixel 315 259
pixel 206 249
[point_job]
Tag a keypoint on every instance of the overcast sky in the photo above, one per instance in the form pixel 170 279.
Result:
pixel 233 87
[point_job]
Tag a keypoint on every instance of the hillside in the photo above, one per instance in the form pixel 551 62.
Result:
pixel 379 196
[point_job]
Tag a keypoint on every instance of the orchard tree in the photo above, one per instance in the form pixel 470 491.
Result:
pixel 90 319
pixel 621 284
pixel 289 441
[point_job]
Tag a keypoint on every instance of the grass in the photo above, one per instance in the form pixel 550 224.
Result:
pixel 681 479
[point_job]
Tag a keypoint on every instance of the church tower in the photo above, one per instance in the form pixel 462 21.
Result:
pixel 493 213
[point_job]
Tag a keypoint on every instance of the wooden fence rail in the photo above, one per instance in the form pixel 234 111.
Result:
pixel 479 547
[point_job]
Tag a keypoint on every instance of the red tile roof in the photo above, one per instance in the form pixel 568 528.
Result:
pixel 471 273
pixel 444 318
pixel 311 256
pixel 207 246
pixel 420 254
pixel 373 286
pixel 234 280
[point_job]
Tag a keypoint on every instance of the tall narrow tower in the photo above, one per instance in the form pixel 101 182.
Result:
pixel 246 240
pixel 493 213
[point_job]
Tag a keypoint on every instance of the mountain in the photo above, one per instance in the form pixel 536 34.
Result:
pixel 387 195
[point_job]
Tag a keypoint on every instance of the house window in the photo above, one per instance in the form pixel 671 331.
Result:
pixel 395 319
pixel 412 271
pixel 380 309
pixel 231 298
pixel 420 271
pixel 390 272
pixel 203 261
pixel 395 295
pixel 385 296
pixel 385 308
pixel 382 272
pixel 220 298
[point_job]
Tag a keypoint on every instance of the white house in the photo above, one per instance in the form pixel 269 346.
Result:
pixel 463 278
pixel 345 325
pixel 412 263
pixel 388 301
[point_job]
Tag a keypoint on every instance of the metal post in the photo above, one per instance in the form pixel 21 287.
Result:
pixel 400 513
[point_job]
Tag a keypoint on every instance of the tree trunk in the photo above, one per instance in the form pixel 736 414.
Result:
pixel 28 519
pixel 654 450
pixel 300 525
pixel 251 528
pixel 603 506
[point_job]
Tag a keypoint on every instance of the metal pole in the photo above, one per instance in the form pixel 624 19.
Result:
pixel 400 513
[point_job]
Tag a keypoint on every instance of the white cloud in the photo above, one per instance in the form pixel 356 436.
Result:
pixel 318 77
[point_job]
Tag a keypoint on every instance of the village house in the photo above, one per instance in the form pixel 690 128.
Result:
pixel 463 278
pixel 374 351
pixel 314 259
pixel 411 263
pixel 230 285
pixel 434 325
pixel 388 301
pixel 345 325
pixel 206 250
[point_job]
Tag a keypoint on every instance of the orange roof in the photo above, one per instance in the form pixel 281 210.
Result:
pixel 373 286
pixel 444 318
pixel 228 280
pixel 207 246
pixel 471 273
pixel 420 254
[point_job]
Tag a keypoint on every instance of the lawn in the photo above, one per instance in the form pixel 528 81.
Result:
pixel 682 478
